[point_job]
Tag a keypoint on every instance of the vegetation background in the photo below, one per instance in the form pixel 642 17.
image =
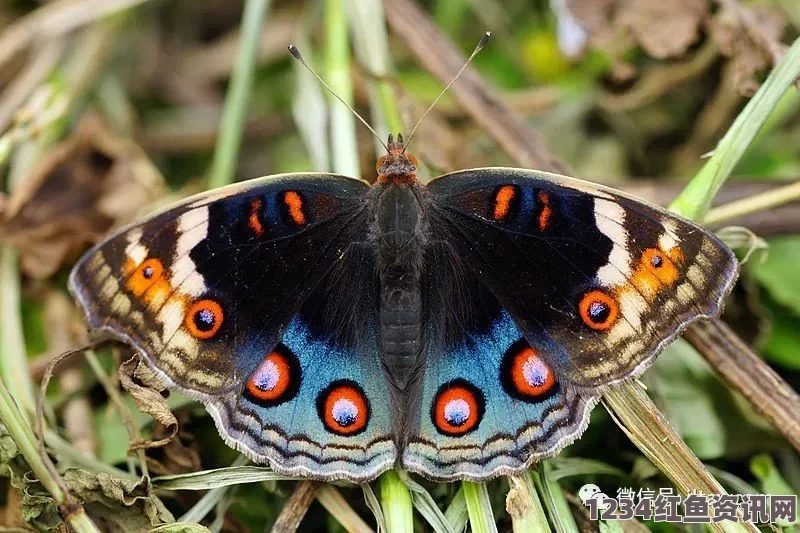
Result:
pixel 111 108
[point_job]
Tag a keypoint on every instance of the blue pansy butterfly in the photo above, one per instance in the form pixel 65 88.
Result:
pixel 460 330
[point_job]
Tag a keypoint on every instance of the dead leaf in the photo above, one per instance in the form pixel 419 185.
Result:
pixel 82 188
pixel 180 456
pixel 663 28
pixel 117 505
pixel 752 38
pixel 140 381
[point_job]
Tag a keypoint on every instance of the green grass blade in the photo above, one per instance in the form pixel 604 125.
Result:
pixel 219 477
pixel 226 154
pixel 481 518
pixel 372 50
pixel 426 506
pixel 553 499
pixel 695 200
pixel 310 109
pixel 337 66
pixel 456 513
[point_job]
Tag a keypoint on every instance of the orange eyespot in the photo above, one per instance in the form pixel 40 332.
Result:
pixel 204 319
pixel 294 202
pixel 380 163
pixel 276 380
pixel 531 376
pixel 458 408
pixel 343 408
pixel 144 276
pixel 660 265
pixel 412 160
pixel 598 310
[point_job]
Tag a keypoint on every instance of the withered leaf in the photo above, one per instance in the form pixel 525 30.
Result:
pixel 752 38
pixel 83 187
pixel 663 28
pixel 114 504
pixel 137 378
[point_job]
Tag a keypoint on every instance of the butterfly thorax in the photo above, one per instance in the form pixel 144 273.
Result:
pixel 399 231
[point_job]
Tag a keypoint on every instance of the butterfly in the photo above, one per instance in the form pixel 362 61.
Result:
pixel 461 329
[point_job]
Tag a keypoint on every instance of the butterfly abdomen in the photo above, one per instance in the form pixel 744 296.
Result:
pixel 398 231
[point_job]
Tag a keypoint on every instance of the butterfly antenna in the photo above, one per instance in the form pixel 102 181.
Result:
pixel 296 54
pixel 478 48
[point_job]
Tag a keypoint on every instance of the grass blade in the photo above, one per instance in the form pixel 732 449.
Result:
pixel 337 65
pixel 481 517
pixel 226 154
pixel 694 201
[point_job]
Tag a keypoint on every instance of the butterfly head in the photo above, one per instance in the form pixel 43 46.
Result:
pixel 397 166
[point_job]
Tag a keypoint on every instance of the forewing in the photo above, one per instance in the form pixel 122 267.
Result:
pixel 600 281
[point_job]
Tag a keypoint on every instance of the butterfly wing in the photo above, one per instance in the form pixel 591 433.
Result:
pixel 603 280
pixel 543 290
pixel 233 297
pixel 477 417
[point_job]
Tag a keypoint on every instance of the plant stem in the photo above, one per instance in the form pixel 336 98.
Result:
pixel 646 426
pixel 20 430
pixel 226 154
pixel 760 202
pixel 396 503
pixel 525 507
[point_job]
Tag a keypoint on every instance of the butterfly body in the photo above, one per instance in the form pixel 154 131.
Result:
pixel 462 329
pixel 399 235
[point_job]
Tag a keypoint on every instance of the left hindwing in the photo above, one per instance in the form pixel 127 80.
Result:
pixel 597 281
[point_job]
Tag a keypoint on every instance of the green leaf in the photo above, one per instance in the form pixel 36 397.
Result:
pixel 778 272
pixel 763 467
pixel 782 346
pixel 700 405
pixel 693 202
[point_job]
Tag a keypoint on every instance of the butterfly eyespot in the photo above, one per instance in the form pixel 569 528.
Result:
pixel 144 276
pixel 204 319
pixel 276 380
pixel 380 163
pixel 458 408
pixel 505 199
pixel 413 160
pixel 343 408
pixel 294 205
pixel 656 260
pixel 598 310
pixel 660 266
pixel 525 374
